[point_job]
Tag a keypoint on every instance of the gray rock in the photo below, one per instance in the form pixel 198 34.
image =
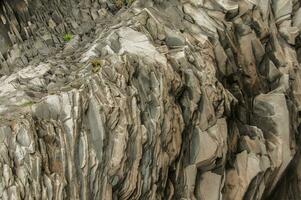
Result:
pixel 174 39
pixel 157 100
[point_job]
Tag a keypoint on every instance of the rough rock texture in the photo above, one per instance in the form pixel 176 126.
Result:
pixel 178 99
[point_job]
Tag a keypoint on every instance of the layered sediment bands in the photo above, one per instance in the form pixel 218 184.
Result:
pixel 157 100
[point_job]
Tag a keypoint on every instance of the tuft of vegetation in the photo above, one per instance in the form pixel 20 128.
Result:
pixel 96 65
pixel 121 3
pixel 67 37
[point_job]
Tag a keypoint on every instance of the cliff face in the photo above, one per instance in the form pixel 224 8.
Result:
pixel 187 99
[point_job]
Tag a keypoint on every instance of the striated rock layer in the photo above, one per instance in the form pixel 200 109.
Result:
pixel 178 99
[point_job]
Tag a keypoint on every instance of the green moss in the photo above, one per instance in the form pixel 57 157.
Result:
pixel 129 2
pixel 67 37
pixel 28 103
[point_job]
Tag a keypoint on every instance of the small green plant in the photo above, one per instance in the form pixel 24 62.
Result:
pixel 96 65
pixel 67 37
pixel 118 3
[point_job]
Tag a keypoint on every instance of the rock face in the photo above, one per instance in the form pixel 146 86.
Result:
pixel 178 99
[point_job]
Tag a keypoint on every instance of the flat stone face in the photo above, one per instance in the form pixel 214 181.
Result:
pixel 247 168
pixel 136 43
pixel 209 186
pixel 201 18
pixel 205 148
pixel 4 40
pixel 282 8
pixel 150 99
pixel 173 39
pixel 275 123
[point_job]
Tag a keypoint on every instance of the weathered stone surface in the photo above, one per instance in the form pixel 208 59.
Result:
pixel 150 99
pixel 209 186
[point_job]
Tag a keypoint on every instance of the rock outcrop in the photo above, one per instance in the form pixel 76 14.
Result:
pixel 150 99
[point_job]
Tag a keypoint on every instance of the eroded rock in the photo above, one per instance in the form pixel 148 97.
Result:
pixel 157 100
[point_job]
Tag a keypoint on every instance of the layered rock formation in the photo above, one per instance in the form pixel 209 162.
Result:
pixel 179 99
